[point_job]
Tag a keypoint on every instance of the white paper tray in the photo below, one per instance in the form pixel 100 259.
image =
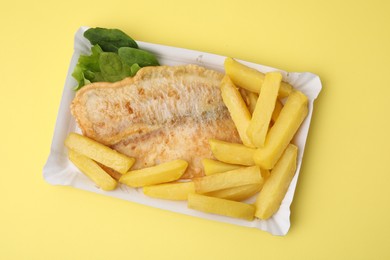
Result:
pixel 58 170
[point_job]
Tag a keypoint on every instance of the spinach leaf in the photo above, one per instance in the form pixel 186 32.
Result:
pixel 87 67
pixel 90 62
pixel 114 56
pixel 133 69
pixel 112 67
pixel 78 74
pixel 141 57
pixel 109 39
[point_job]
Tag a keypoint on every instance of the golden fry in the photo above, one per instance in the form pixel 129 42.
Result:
pixel 224 180
pixel 170 191
pixel 261 118
pixel 212 166
pixel 275 188
pixel 93 171
pixel 114 174
pixel 221 206
pixel 237 108
pixel 265 174
pixel 252 99
pixel 162 173
pixel 99 152
pixel 237 193
pixel 249 78
pixel 281 133
pixel 277 109
pixel 232 153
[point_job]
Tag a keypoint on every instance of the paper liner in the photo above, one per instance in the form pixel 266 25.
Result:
pixel 58 170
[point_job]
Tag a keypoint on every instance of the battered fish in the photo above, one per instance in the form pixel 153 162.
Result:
pixel 161 114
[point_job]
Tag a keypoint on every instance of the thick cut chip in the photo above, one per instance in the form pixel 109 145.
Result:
pixel 114 174
pixel 219 206
pixel 162 173
pixel 170 191
pixel 275 188
pixel 99 152
pixel 282 132
pixel 250 99
pixel 232 153
pixel 278 108
pixel 265 174
pixel 93 171
pixel 261 118
pixel 212 166
pixel 237 108
pixel 229 179
pixel 249 78
pixel 237 193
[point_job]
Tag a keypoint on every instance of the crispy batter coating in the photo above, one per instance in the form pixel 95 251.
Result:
pixel 161 114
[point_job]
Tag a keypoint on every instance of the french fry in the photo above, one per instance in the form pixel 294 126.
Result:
pixel 281 133
pixel 265 174
pixel 249 78
pixel 229 179
pixel 162 173
pixel 237 108
pixel 237 193
pixel 212 166
pixel 244 95
pixel 275 188
pixel 221 206
pixel 261 118
pixel 114 174
pixel 92 170
pixel 170 191
pixel 99 152
pixel 232 153
pixel 252 99
pixel 277 109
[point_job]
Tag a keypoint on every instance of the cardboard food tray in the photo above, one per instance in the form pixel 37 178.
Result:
pixel 58 170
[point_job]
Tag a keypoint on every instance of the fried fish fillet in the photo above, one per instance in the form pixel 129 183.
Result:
pixel 161 114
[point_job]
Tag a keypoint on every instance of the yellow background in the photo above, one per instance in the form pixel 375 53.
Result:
pixel 341 209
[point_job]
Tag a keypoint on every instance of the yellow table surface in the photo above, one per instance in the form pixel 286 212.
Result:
pixel 341 209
